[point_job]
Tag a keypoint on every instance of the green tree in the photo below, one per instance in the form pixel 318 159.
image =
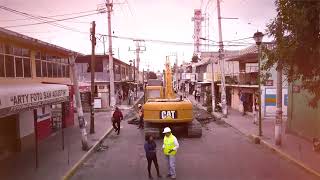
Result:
pixel 152 75
pixel 296 31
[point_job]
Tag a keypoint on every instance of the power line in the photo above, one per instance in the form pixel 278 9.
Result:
pixel 168 42
pixel 52 21
pixel 40 19
pixel 67 14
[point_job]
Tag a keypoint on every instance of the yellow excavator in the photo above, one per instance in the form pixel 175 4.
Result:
pixel 163 108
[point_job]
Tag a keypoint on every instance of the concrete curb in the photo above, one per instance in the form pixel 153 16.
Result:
pixel 75 167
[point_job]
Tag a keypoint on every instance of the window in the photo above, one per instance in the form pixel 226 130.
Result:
pixel 63 70
pixel 54 70
pixel 38 68
pixel 59 66
pixel 2 65
pixel 14 61
pixel 19 67
pixel 17 51
pixel 9 64
pixel 25 53
pixel 26 67
pixel 44 69
pixel 117 69
pixel 68 71
pixel 8 49
pixel 49 64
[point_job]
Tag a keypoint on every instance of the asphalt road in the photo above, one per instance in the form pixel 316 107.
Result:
pixel 222 153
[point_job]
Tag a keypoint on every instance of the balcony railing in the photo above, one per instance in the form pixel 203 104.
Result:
pixel 103 77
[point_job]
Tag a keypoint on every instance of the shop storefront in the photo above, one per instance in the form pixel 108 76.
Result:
pixel 27 113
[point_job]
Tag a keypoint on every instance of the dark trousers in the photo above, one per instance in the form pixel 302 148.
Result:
pixel 116 126
pixel 155 161
pixel 141 123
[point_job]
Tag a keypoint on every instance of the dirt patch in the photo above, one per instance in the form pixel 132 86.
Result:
pixel 202 116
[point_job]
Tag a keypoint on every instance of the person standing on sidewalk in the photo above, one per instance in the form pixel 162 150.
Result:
pixel 170 147
pixel 141 116
pixel 116 119
pixel 151 154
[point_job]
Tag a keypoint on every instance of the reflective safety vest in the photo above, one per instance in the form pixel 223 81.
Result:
pixel 168 145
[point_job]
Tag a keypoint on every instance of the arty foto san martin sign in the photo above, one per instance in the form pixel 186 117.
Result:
pixel 31 98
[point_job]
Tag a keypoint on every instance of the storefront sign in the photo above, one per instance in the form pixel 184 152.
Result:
pixel 30 97
pixel 97 103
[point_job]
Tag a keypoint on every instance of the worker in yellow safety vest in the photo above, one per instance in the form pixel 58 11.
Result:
pixel 170 147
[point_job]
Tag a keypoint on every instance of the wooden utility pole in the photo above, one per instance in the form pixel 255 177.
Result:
pixel 221 62
pixel 111 92
pixel 139 48
pixel 93 68
pixel 81 120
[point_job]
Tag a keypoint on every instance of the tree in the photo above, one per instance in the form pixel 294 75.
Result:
pixel 195 58
pixel 296 31
pixel 152 75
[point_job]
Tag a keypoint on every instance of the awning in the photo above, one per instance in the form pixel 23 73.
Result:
pixel 15 98
pixel 241 85
pixel 202 82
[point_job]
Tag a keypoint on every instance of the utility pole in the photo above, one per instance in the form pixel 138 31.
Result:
pixel 82 122
pixel 278 125
pixel 104 46
pixel 176 72
pixel 111 92
pixel 93 69
pixel 213 100
pixel 221 61
pixel 139 49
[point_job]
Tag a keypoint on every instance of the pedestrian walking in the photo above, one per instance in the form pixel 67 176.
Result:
pixel 120 96
pixel 141 116
pixel 198 95
pixel 170 147
pixel 151 155
pixel 116 119
pixel 130 96
pixel 243 100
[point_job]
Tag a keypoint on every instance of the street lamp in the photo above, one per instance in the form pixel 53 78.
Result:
pixel 258 36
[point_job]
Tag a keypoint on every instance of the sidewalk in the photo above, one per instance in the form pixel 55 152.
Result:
pixel 54 162
pixel 125 105
pixel 294 148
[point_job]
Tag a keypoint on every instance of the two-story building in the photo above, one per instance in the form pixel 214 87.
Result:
pixel 35 91
pixel 124 77
pixel 243 80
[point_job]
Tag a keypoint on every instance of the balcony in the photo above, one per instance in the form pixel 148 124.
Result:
pixel 103 77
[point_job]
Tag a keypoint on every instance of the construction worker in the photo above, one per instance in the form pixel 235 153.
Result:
pixel 141 116
pixel 170 147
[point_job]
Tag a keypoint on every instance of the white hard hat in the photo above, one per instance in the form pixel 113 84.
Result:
pixel 166 130
pixel 139 105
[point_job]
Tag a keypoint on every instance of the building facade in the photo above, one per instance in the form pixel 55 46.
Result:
pixel 35 91
pixel 124 78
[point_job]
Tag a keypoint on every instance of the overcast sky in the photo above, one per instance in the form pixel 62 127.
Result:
pixel 168 20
